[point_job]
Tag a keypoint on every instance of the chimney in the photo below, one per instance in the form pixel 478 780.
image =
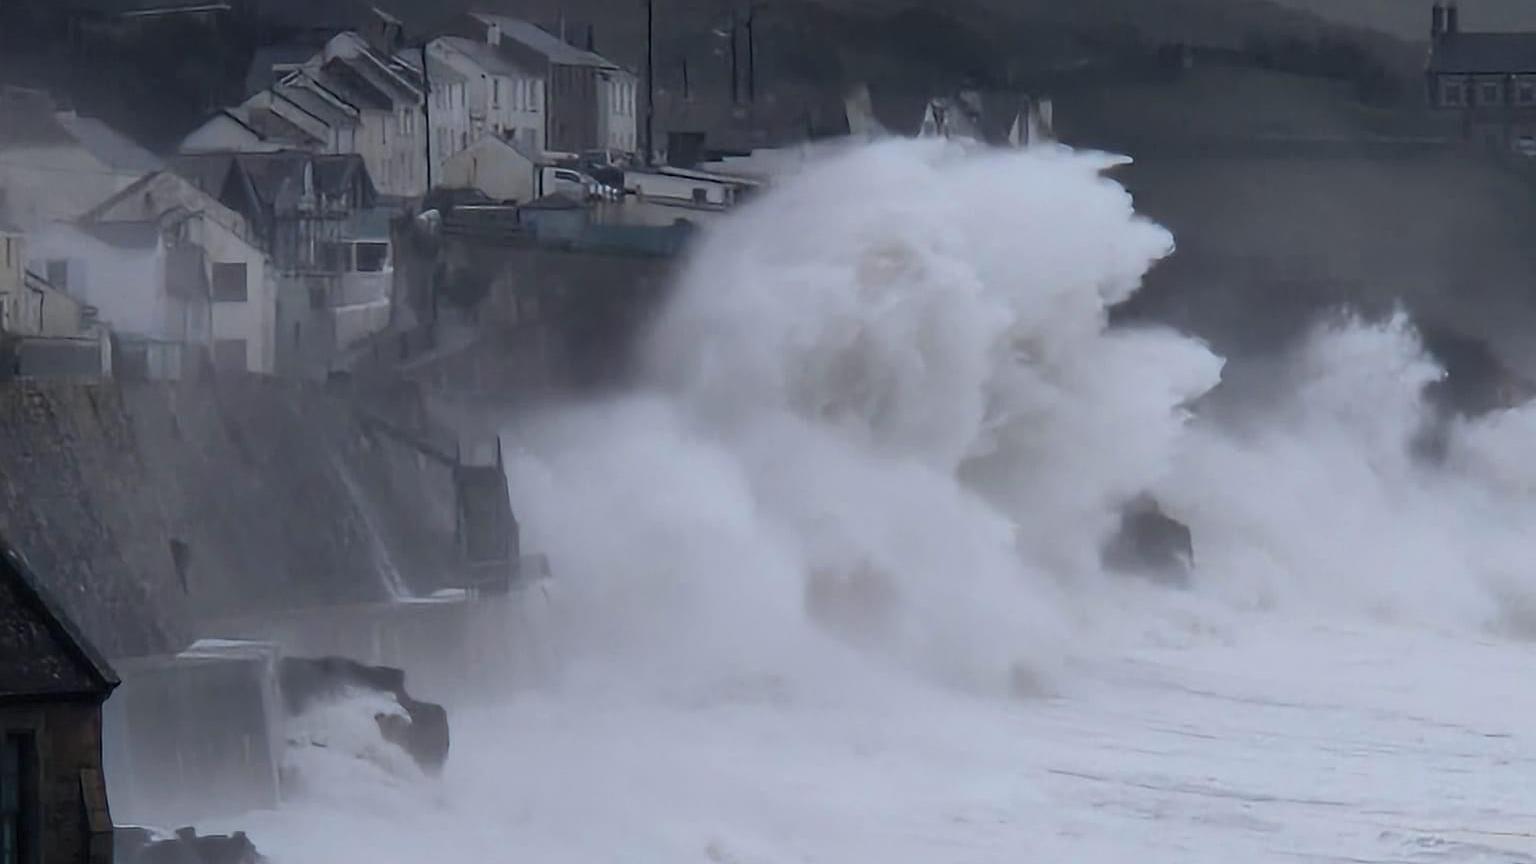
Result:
pixel 1437 21
pixel 1452 19
pixel 493 35
pixel 592 38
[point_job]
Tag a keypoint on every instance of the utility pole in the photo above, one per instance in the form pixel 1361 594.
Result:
pixel 426 110
pixel 751 54
pixel 735 62
pixel 650 80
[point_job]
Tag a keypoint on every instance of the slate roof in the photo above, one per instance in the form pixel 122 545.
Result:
pixel 27 119
pixel 484 56
pixel 537 39
pixel 1490 53
pixel 42 652
pixel 356 87
pixel 109 146
pixel 260 75
pixel 125 235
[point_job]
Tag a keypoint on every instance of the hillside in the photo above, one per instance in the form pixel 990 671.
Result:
pixel 801 57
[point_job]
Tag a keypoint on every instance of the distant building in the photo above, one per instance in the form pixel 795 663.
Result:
pixel 589 101
pixel 44 332
pixel 1488 78
pixel 53 801
pixel 242 285
pixel 146 279
pixel 56 165
pixel 343 98
pixel 505 98
pixel 998 117
pixel 319 219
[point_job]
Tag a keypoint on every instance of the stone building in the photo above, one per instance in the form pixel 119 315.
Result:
pixel 1489 79
pixel 53 803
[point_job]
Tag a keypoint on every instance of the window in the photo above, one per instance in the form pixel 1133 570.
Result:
pixel 1450 91
pixel 229 283
pixel 495 92
pixel 372 257
pixel 1489 93
pixel 58 274
pixel 333 257
pixel 700 195
pixel 1525 92
pixel 229 355
pixel 18 798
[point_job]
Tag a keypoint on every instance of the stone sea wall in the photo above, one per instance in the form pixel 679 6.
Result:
pixel 151 509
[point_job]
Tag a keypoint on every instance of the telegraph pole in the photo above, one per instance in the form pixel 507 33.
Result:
pixel 426 110
pixel 650 81
pixel 752 54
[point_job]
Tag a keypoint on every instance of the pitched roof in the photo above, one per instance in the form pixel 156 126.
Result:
pixel 125 235
pixel 345 78
pixel 483 55
pixel 537 39
pixel 27 119
pixel 109 146
pixel 1493 53
pixel 262 73
pixel 42 652
pixel 206 171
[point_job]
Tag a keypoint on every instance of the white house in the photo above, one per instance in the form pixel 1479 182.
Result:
pixel 345 98
pixel 241 283
pixel 505 99
pixel 29 306
pixel 495 167
pixel 56 165
pixel 146 288
pixel 589 101
pixel 447 111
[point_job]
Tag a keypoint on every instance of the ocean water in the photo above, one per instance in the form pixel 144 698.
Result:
pixel 828 586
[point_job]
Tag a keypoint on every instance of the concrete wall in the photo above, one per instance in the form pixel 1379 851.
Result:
pixel 149 508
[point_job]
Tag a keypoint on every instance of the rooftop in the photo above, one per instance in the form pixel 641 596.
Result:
pixel 44 653
pixel 1494 53
pixel 125 235
pixel 483 55
pixel 537 39
pixel 109 146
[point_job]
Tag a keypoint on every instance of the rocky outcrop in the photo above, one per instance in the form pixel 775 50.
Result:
pixel 1151 543
pixel 422 731
pixel 132 845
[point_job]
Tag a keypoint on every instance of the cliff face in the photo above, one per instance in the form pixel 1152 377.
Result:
pixel 150 508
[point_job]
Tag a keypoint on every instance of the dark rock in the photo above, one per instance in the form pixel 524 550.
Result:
pixel 423 732
pixel 132 845
pixel 1151 543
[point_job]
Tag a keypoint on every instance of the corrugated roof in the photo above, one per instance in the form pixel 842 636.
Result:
pixel 109 146
pixel 1492 53
pixel 533 37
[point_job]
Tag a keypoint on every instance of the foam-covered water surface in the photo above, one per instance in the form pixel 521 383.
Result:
pixel 828 586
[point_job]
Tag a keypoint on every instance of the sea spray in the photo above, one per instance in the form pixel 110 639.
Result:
pixel 893 371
